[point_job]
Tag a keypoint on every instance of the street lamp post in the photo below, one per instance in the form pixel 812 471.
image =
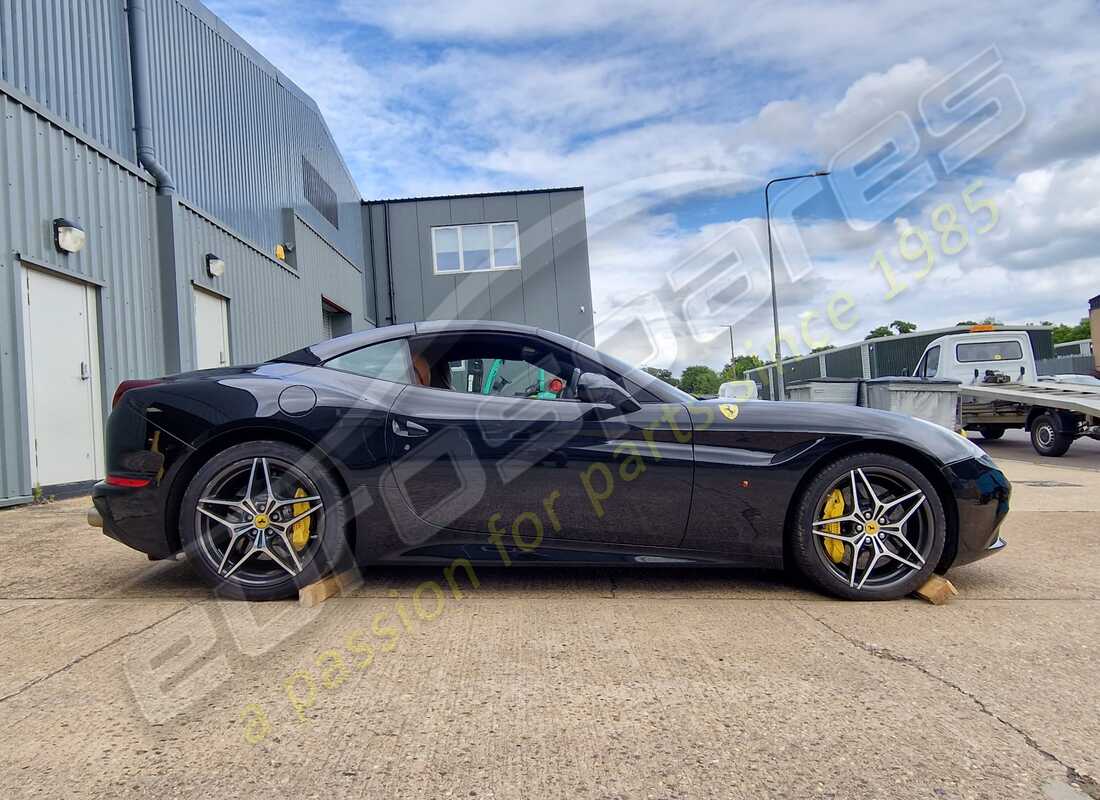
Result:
pixel 733 355
pixel 771 266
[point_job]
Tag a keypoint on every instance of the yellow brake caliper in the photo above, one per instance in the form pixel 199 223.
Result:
pixel 834 507
pixel 299 533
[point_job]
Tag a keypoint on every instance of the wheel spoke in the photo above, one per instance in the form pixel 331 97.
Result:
pixel 870 489
pixel 907 543
pixel 267 551
pixel 891 554
pixel 830 520
pixel 837 536
pixel 219 520
pixel 248 554
pixel 870 566
pixel 234 537
pixel 900 500
pixel 855 493
pixel 855 560
pixel 300 517
pixel 251 481
pixel 295 500
pixel 214 501
pixel 267 482
pixel 908 513
pixel 293 555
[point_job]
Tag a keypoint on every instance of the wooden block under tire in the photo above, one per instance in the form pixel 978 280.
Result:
pixel 329 586
pixel 937 590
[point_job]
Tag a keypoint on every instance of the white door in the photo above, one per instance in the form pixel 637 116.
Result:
pixel 62 349
pixel 211 330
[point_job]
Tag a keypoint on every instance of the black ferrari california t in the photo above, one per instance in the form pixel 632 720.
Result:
pixel 477 443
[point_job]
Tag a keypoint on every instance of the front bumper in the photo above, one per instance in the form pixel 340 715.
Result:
pixel 982 494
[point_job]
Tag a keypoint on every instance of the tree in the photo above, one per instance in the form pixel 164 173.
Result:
pixel 735 370
pixel 662 374
pixel 699 380
pixel 899 325
pixel 1071 333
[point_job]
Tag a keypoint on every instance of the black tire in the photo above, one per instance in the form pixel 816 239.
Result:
pixel 991 432
pixel 812 559
pixel 325 549
pixel 1046 439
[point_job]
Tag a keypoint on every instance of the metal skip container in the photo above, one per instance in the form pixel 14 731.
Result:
pixel 931 399
pixel 844 391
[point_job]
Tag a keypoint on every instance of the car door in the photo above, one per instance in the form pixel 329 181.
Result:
pixel 534 469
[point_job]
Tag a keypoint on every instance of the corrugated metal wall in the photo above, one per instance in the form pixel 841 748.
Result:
pixel 801 370
pixel 338 279
pixel 844 363
pixel 898 356
pixel 48 173
pixel 215 98
pixel 552 288
pixel 72 56
pixel 232 131
pixel 270 305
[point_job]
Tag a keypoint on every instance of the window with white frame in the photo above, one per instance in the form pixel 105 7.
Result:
pixel 475 248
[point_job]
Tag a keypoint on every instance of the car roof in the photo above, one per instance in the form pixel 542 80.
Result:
pixel 322 351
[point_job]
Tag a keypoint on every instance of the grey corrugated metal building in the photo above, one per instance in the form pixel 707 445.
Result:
pixel 222 225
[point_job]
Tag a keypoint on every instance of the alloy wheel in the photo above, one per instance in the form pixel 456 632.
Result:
pixel 259 520
pixel 873 528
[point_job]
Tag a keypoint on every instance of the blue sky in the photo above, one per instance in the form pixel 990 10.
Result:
pixel 673 115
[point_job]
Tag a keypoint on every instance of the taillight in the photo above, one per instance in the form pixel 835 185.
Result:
pixel 126 386
pixel 132 483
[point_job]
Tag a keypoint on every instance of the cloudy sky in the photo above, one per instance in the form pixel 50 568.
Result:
pixel 963 140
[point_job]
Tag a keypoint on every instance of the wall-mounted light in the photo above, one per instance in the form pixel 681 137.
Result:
pixel 283 250
pixel 68 237
pixel 215 267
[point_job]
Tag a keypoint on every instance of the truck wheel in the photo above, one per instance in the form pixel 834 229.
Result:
pixel 1046 439
pixel 991 431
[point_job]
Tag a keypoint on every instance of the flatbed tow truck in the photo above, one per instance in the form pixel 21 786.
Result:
pixel 1001 389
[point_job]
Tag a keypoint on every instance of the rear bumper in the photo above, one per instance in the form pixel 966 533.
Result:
pixel 982 494
pixel 132 516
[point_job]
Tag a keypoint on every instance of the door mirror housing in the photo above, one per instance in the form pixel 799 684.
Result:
pixel 601 390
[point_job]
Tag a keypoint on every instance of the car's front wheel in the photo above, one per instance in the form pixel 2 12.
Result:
pixel 261 519
pixel 869 526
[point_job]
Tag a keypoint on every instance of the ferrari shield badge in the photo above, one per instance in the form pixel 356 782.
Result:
pixel 729 410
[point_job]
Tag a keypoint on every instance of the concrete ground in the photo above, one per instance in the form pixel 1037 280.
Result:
pixel 120 677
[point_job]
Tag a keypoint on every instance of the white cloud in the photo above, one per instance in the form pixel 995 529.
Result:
pixel 648 102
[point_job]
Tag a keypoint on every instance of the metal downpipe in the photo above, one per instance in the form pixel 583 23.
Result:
pixel 139 74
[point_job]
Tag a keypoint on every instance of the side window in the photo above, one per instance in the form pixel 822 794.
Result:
pixel 387 361
pixel 932 362
pixel 504 377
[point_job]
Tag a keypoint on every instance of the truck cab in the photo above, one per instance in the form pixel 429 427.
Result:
pixel 1000 389
pixel 980 357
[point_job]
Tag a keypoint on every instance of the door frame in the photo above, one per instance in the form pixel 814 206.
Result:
pixel 95 361
pixel 227 301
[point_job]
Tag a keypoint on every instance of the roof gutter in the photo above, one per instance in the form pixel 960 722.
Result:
pixel 143 115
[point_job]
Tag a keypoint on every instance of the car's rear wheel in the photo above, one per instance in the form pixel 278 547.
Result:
pixel 261 519
pixel 868 527
pixel 1047 439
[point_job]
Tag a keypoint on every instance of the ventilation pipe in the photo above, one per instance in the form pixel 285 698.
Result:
pixel 143 114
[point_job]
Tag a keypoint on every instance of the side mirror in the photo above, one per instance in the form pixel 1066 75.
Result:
pixel 601 390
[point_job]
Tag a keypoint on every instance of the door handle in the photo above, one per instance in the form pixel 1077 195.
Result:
pixel 85 373
pixel 410 430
